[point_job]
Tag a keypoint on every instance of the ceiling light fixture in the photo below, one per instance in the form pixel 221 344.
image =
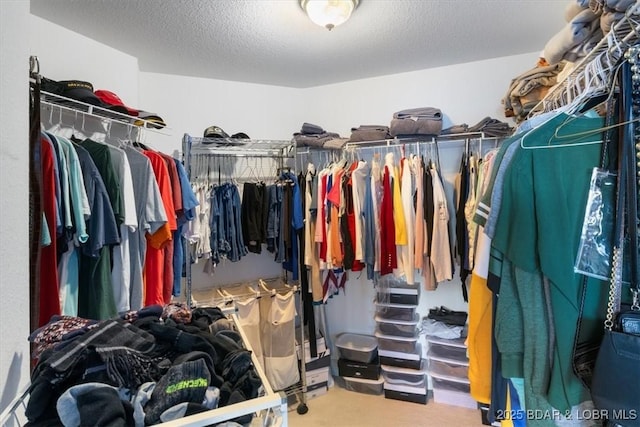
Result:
pixel 329 13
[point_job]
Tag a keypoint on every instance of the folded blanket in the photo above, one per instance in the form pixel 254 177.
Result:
pixel 492 127
pixel 335 143
pixel 419 113
pixel 526 82
pixel 463 128
pixel 583 49
pixel 574 33
pixel 369 133
pixel 315 140
pixel 409 126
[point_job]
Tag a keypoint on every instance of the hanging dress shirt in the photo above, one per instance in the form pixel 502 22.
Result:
pixel 440 245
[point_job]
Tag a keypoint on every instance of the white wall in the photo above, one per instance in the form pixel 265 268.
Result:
pixel 465 93
pixel 63 55
pixel 14 199
pixel 190 105
pixel 66 55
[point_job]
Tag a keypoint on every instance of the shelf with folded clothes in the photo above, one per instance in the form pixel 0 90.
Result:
pixel 593 71
pixel 153 123
pixel 421 139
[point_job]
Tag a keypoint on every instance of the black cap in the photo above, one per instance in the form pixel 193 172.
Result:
pixel 215 132
pixel 81 91
pixel 240 135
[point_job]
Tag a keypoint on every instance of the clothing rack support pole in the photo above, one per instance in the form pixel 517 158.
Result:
pixel 186 158
pixel 302 407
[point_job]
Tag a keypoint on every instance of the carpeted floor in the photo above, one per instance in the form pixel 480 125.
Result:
pixel 343 408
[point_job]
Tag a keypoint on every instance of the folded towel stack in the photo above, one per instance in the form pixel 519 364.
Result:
pixel 417 121
pixel 369 133
pixel 311 135
pixel 492 128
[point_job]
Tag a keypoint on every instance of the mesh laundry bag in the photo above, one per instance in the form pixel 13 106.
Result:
pixel 248 312
pixel 278 340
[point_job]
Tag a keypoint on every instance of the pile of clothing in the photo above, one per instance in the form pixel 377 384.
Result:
pixel 416 121
pixel 145 367
pixel 370 133
pixel 529 88
pixel 489 126
pixel 587 23
pixel 442 322
pixel 311 135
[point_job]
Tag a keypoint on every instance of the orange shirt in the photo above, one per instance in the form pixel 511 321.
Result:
pixel 154 271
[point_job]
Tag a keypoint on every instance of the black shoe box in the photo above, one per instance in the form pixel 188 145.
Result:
pixel 352 369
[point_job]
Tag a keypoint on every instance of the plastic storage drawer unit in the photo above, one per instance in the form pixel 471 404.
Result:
pixel 402 360
pixel 442 349
pixel 397 292
pixel 395 311
pixel 395 343
pixel 452 369
pixel 405 393
pixel 399 328
pixel 359 348
pixel 350 368
pixel 364 386
pixel 404 376
pixel 452 391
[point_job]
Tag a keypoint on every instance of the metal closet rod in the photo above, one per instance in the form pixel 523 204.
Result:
pixel 397 142
pixel 110 115
pixel 240 147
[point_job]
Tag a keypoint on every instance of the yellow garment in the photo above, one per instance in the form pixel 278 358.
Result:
pixel 508 421
pixel 479 339
pixel 398 211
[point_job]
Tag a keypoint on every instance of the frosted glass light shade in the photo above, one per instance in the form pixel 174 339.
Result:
pixel 329 13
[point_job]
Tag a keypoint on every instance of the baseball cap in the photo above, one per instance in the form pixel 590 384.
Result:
pixel 113 102
pixel 79 90
pixel 148 119
pixel 215 132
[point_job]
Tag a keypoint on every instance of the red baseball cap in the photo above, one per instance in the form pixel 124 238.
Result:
pixel 114 102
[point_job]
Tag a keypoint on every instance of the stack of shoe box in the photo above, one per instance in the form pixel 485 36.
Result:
pixel 359 364
pixel 449 371
pixel 403 370
pixel 316 368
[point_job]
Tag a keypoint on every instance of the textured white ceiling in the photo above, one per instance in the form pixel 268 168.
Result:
pixel 273 42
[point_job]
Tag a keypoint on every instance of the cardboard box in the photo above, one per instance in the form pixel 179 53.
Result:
pixel 320 345
pixel 322 361
pixel 317 376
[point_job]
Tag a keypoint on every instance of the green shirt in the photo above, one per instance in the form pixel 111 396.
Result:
pixel 539 230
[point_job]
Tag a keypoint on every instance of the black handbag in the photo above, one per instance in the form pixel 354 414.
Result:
pixel 615 388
